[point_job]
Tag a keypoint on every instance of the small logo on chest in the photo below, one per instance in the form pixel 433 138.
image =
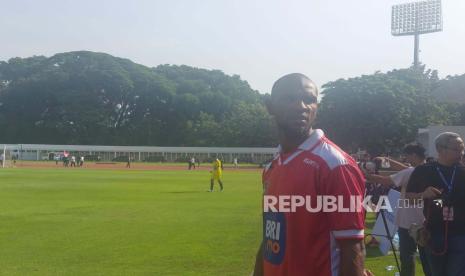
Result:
pixel 311 163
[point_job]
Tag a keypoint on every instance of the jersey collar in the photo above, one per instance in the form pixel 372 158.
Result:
pixel 308 144
pixel 312 140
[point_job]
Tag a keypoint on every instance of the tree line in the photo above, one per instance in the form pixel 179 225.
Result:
pixel 95 98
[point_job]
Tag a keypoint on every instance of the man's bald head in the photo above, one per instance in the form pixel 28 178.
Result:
pixel 293 82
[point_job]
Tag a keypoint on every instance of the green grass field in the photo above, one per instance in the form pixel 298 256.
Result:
pixel 110 222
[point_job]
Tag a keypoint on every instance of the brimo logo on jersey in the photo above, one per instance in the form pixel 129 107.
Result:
pixel 325 203
pixel 274 237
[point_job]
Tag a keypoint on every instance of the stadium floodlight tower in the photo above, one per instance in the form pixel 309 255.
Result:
pixel 416 18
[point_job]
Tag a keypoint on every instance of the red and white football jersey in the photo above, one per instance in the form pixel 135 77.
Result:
pixel 302 242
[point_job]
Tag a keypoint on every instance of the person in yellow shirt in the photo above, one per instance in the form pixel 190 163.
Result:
pixel 216 173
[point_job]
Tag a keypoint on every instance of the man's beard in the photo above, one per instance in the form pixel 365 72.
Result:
pixel 295 134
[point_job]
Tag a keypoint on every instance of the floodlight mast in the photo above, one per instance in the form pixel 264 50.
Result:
pixel 414 19
pixel 416 43
pixel 416 51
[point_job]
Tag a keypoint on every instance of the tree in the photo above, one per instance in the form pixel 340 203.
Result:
pixel 94 98
pixel 380 112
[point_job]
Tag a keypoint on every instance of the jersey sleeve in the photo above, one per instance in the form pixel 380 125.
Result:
pixel 346 183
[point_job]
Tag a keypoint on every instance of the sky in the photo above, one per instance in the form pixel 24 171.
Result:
pixel 256 39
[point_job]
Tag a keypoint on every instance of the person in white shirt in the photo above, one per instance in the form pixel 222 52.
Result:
pixel 191 163
pixel 406 215
pixel 73 161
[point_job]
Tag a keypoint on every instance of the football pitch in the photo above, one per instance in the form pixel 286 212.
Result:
pixel 80 221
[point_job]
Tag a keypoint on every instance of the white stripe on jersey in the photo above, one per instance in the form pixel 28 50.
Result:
pixel 352 233
pixel 331 155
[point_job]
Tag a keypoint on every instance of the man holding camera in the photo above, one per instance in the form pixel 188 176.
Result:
pixel 407 214
pixel 441 185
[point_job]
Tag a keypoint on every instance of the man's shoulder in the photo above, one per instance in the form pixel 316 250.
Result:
pixel 426 167
pixel 271 164
pixel 424 170
pixel 331 154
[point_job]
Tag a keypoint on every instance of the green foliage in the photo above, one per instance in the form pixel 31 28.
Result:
pixel 94 98
pixel 381 112
pixel 451 93
pixel 451 90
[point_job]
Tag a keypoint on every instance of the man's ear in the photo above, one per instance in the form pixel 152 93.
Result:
pixel 269 105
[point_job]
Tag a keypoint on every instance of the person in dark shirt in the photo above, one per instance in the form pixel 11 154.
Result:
pixel 441 184
pixel 128 162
